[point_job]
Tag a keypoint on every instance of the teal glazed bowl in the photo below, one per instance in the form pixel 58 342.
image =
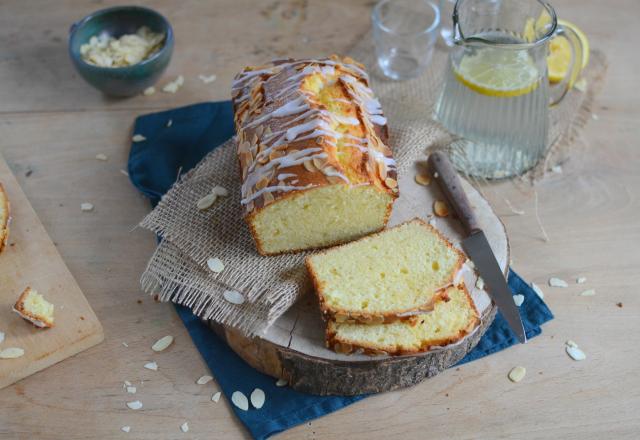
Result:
pixel 118 21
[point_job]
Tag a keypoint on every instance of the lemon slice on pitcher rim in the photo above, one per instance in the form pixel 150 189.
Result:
pixel 559 59
pixel 502 73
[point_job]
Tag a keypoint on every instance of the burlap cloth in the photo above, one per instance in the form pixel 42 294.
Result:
pixel 178 271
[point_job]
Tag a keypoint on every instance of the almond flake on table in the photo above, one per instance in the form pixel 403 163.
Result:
pixel 135 405
pixel 557 282
pixel 581 280
pixel 138 138
pixel 240 400
pixel 220 191
pixel 169 123
pixel 518 299
pixel 184 427
pixel 151 366
pixel 588 292
pixel 149 91
pixel 423 179
pixel 517 374
pixel 174 86
pixel 233 296
pixel 1 337
pixel 480 283
pixel 440 208
pixel 257 398
pixel 102 157
pixel 537 290
pixel 204 379
pixel 162 343
pixel 125 172
pixel 556 169
pixel 124 344
pixel 127 383
pixel 215 265
pixel 86 207
pixel 125 428
pixel 131 390
pixel 216 397
pixel 575 353
pixel 11 353
pixel 206 202
pixel 281 383
pixel 207 79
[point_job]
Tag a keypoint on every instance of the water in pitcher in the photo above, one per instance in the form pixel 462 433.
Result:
pixel 496 100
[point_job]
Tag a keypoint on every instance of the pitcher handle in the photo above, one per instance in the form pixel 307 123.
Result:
pixel 576 61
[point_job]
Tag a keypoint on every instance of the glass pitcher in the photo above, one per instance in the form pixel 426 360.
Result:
pixel 496 94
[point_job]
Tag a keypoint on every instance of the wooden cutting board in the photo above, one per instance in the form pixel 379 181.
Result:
pixel 31 259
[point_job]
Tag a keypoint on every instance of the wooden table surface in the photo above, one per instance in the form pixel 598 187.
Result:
pixel 53 124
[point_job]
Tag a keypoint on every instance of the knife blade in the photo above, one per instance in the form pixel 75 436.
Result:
pixel 475 244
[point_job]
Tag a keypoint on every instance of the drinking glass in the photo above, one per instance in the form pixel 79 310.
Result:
pixel 404 33
pixel 496 94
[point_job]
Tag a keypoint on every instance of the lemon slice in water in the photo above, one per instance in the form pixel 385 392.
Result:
pixel 498 72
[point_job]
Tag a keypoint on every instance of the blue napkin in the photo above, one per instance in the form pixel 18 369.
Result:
pixel 177 147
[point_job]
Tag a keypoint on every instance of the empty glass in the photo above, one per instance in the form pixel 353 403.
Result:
pixel 404 33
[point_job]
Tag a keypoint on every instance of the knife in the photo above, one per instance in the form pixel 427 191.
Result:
pixel 476 245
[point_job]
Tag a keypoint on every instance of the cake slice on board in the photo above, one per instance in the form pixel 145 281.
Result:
pixel 4 218
pixel 449 322
pixel 393 275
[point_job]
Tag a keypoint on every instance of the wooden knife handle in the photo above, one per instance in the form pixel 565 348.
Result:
pixel 451 186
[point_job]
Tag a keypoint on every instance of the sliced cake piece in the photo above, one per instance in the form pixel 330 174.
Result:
pixel 448 323
pixel 34 308
pixel 4 218
pixel 393 274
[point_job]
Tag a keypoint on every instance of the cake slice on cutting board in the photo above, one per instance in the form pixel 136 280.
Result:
pixel 449 322
pixel 392 275
pixel 34 308
pixel 4 218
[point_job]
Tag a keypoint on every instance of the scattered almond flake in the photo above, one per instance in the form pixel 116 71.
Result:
pixel 595 117
pixel 138 138
pixel 281 383
pixel 151 366
pixel 102 157
pixel 518 299
pixel 1 337
pixel 162 343
pixel 480 283
pixel 11 353
pixel 125 172
pixel 517 374
pixel 124 344
pixel 220 191
pixel 215 265
pixel 125 428
pixel 149 91
pixel 136 404
pixel 131 390
pixel 216 397
pixel 581 85
pixel 184 427
pixel 440 208
pixel 257 398
pixel 169 123
pixel 588 292
pixel 575 353
pixel 127 383
pixel 204 379
pixel 436 175
pixel 556 169
pixel 581 280
pixel 240 400
pixel 233 296
pixel 206 202
pixel 557 282
pixel 536 289
pixel 570 343
pixel 207 79
pixel 174 86
pixel 86 207
pixel 423 179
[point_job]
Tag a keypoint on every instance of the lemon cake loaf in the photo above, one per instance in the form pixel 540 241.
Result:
pixel 316 169
pixel 391 275
pixel 34 308
pixel 4 218
pixel 449 322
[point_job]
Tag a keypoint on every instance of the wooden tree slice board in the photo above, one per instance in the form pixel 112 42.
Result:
pixel 31 259
pixel 293 347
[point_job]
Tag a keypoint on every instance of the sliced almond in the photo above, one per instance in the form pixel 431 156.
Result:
pixel 262 183
pixel 268 131
pixel 101 156
pixel 153 366
pixel 263 159
pixel 11 353
pixel 86 207
pixel 480 283
pixel 581 280
pixel 240 400
pixel 518 299
pixel 138 138
pixel 575 353
pixel 267 198
pixel 281 383
pixel 275 154
pixel 259 130
pixel 557 282
pixel 423 179
pixel 131 389
pixel 169 123
pixel 125 429
pixel 319 162
pixel 206 202
pixel 536 289
pixel 391 183
pixel 184 427
pixel 243 147
pixel 149 91
pixel 204 379
pixel 162 343
pixel 309 166
pixel 135 405
pixel 127 383
pixel 233 296
pixel 440 208
pixel 220 191
pixel 215 265
pixel 216 397
pixel 517 374
pixel 257 398
pixel 588 292
pixel 207 78
pixel 334 179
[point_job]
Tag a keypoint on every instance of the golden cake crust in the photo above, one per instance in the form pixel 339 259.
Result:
pixel 361 317
pixel 4 219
